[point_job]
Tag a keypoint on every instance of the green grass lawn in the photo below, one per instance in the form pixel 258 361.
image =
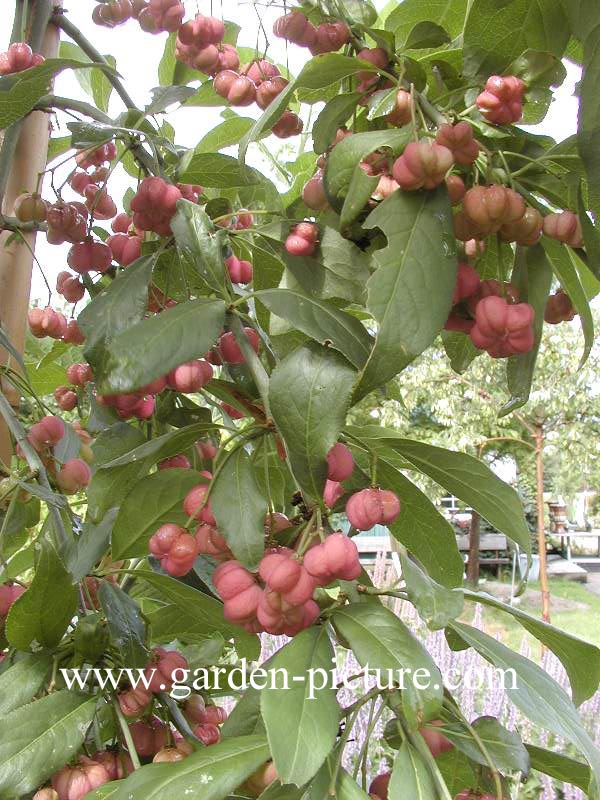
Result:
pixel 574 609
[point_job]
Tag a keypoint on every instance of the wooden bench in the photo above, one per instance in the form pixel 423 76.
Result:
pixel 493 542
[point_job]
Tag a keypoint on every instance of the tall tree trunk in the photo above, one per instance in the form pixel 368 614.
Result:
pixel 541 532
pixel 473 559
pixel 16 261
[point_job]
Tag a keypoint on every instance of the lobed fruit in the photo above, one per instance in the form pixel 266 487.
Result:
pixel 190 377
pixel 501 101
pixel 289 124
pixel 340 463
pixel 564 227
pixel 371 507
pixel 125 249
pixel 175 548
pixel 240 271
pixel 18 58
pixel 459 140
pixel 559 308
pixel 161 669
pixel 73 476
pixel 91 255
pixel 154 205
pixel 502 329
pixel 334 559
pixel 230 350
pixel 30 208
pixel 194 505
pixel 70 287
pixel 422 166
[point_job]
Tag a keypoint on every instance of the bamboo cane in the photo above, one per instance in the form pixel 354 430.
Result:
pixel 16 261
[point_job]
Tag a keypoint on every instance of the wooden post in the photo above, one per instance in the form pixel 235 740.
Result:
pixel 16 262
pixel 473 559
pixel 541 532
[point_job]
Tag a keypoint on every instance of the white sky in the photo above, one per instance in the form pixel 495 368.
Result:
pixel 138 55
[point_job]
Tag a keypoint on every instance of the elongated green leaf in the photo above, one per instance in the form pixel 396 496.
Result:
pixel 580 659
pixel 150 349
pixel 469 479
pixel 360 190
pixel 308 411
pixel 90 546
pixel 227 133
pixel 492 40
pixel 460 350
pixel 202 611
pixel 450 14
pixel 505 747
pixel 534 285
pixel 381 640
pixel 154 501
pixel 200 244
pixel 322 321
pixel 337 111
pixel 588 130
pixel 20 91
pixel 19 683
pixel 301 713
pixel 116 308
pixel 534 692
pixel 560 767
pixel 219 171
pixel 435 604
pixel 410 294
pixel 42 613
pixel 40 738
pixel 346 787
pixel 565 270
pixel 169 444
pixel 125 623
pixel 211 773
pixel 410 776
pixel 239 508
pixel 108 487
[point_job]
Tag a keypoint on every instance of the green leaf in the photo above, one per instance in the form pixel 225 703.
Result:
pixel 200 612
pixel 591 238
pixel 125 623
pixel 411 776
pixel 20 682
pixel 534 692
pixel 588 128
pixel 211 773
pixel 169 444
pixel 165 96
pixel 534 283
pixel 41 615
pixel 460 350
pixel 563 264
pixel 151 348
pixel 239 508
pixel 344 157
pixel 331 772
pixel 436 604
pixel 381 640
pixel 322 321
pixel 538 69
pixel 200 244
pixel 116 308
pixel 360 190
pixel 308 411
pixel 154 501
pixel 109 486
pixel 90 546
pixel 493 40
pixel 45 379
pixel 450 14
pixel 225 134
pixel 218 171
pixel 40 738
pixel 426 34
pixel 580 659
pixel 301 719
pixel 266 121
pixel 470 480
pixel 410 294
pixel 561 767
pixel 20 91
pixel 336 112
pixel 505 747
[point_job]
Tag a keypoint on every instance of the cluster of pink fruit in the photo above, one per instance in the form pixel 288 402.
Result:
pixel 48 322
pixel 154 16
pixel 491 314
pixel 327 37
pixel 501 101
pixel 18 58
pixel 72 476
